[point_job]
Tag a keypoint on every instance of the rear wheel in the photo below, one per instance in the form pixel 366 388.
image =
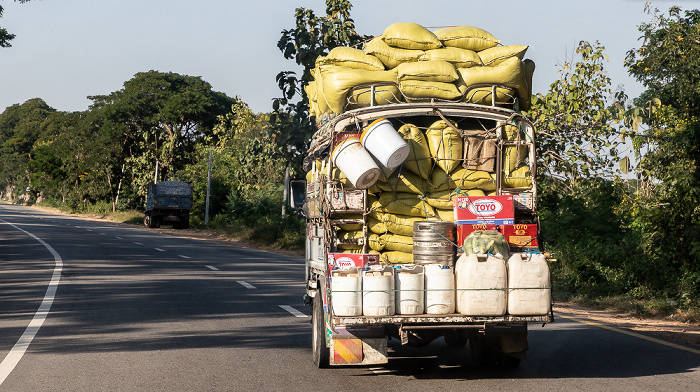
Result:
pixel 318 334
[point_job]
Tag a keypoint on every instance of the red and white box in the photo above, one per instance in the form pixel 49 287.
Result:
pixel 486 210
pixel 348 260
pixel 521 237
pixel 464 230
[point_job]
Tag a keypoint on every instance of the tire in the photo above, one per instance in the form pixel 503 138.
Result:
pixel 184 223
pixel 321 353
pixel 147 221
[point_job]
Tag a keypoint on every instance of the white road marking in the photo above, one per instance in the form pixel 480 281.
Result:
pixel 212 268
pixel 245 284
pixel 137 243
pixel 17 352
pixel 103 234
pixel 119 238
pixel 88 229
pixel 184 257
pixel 159 249
pixel 378 370
pixel 293 311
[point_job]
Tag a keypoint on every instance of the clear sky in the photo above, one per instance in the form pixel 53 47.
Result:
pixel 68 50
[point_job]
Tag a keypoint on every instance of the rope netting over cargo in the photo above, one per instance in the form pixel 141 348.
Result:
pixel 448 157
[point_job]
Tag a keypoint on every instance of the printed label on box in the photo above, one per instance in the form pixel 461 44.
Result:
pixel 347 260
pixel 484 209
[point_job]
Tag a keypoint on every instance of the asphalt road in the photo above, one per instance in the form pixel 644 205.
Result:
pixel 137 310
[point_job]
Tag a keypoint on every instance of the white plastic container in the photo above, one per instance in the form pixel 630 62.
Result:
pixel 381 139
pixel 481 285
pixel 439 289
pixel 346 292
pixel 409 283
pixel 378 291
pixel 356 163
pixel 529 288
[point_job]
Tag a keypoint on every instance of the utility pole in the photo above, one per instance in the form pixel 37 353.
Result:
pixel 206 207
pixel 285 194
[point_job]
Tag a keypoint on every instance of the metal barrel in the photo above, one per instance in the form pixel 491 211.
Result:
pixel 433 242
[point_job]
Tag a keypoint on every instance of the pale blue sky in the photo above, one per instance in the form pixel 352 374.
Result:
pixel 67 50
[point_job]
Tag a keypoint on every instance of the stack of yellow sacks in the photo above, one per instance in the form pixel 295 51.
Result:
pixel 412 63
pixel 424 186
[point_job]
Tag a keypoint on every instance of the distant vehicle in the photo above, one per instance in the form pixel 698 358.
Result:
pixel 169 203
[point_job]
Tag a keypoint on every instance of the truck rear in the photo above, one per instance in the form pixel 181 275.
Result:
pixel 168 202
pixel 421 202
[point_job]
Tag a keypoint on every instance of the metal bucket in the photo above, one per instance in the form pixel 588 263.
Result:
pixel 433 242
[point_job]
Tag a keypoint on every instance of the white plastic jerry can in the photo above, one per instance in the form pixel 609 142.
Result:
pixel 378 291
pixel 439 289
pixel 529 286
pixel 481 285
pixel 346 292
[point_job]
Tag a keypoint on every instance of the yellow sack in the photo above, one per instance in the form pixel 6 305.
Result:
pixel 396 258
pixel 383 95
pixel 418 89
pixel 391 57
pixel 320 97
pixel 431 71
pixel 400 243
pixel 446 146
pixel 447 215
pixel 509 73
pixel 410 36
pixel 418 161
pixel 337 81
pixel 443 199
pixel 513 156
pixel 404 204
pixel 458 57
pixel 463 179
pixel 350 58
pixel 519 178
pixel 351 226
pixel 374 241
pixel 401 224
pixel 466 37
pixel 529 69
pixel 483 95
pixel 354 251
pixel 376 225
pixel 405 181
pixel 498 54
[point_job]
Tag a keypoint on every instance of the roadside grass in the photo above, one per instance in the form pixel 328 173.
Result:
pixel 643 308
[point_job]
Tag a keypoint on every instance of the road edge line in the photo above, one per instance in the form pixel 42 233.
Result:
pixel 630 333
pixel 17 352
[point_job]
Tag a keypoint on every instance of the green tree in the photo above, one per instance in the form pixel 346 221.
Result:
pixel 312 36
pixel 167 115
pixel 5 36
pixel 576 120
pixel 669 215
pixel 20 127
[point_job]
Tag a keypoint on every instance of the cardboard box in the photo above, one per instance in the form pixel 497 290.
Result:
pixel 521 237
pixel 464 230
pixel 488 210
pixel 344 260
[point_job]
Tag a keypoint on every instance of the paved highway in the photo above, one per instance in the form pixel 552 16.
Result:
pixel 91 306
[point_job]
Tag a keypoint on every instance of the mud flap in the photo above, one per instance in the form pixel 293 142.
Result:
pixel 358 346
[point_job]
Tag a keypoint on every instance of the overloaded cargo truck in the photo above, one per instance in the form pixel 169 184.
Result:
pixel 169 203
pixel 421 212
